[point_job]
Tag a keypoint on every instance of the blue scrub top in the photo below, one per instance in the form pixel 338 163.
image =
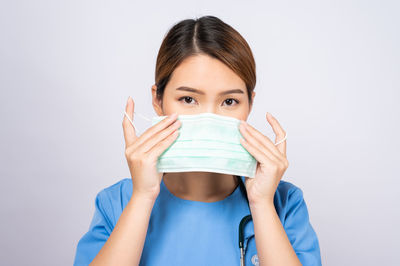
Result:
pixel 186 232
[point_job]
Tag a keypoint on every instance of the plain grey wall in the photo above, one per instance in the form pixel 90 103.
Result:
pixel 328 70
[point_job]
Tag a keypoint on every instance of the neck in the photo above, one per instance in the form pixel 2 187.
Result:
pixel 200 186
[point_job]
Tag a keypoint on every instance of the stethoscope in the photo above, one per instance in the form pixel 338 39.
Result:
pixel 242 223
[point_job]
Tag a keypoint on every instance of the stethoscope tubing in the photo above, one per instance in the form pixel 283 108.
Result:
pixel 242 224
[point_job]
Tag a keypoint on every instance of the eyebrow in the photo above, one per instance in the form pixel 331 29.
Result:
pixel 184 88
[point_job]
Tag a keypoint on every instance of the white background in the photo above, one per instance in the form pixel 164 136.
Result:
pixel 328 71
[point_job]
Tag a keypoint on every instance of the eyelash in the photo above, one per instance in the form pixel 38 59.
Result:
pixel 182 98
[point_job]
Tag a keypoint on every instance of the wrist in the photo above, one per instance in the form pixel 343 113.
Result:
pixel 262 204
pixel 145 198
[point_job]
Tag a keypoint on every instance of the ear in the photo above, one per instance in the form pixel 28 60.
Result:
pixel 252 100
pixel 157 104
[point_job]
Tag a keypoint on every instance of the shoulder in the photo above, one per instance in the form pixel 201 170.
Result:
pixel 287 189
pixel 287 196
pixel 108 207
pixel 293 212
pixel 121 186
pixel 119 191
pixel 112 199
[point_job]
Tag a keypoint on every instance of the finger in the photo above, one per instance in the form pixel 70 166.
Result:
pixel 256 143
pixel 127 125
pixel 161 146
pixel 157 137
pixel 279 133
pixel 264 143
pixel 261 157
pixel 150 132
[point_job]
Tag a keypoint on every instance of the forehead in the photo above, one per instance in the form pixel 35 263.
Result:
pixel 205 73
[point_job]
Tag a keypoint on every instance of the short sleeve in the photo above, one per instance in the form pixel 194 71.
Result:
pixel 300 231
pixel 100 229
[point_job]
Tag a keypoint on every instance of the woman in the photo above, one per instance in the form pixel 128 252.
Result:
pixel 192 218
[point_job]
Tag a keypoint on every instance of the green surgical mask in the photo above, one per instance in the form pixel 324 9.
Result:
pixel 207 142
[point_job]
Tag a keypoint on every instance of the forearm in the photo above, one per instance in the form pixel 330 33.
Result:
pixel 125 244
pixel 273 245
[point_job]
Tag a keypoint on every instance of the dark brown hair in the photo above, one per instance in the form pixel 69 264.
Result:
pixel 207 35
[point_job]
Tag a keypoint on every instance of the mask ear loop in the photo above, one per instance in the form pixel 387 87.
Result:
pixel 282 140
pixel 136 113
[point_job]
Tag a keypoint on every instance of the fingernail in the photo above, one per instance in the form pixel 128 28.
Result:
pixel 269 114
pixel 128 98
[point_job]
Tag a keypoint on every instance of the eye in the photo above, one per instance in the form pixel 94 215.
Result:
pixel 229 101
pixel 186 98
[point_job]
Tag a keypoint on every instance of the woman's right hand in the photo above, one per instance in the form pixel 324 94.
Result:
pixel 142 152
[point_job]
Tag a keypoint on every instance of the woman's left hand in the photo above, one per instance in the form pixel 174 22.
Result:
pixel 272 162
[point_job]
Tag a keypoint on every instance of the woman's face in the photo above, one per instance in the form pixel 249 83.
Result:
pixel 204 84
